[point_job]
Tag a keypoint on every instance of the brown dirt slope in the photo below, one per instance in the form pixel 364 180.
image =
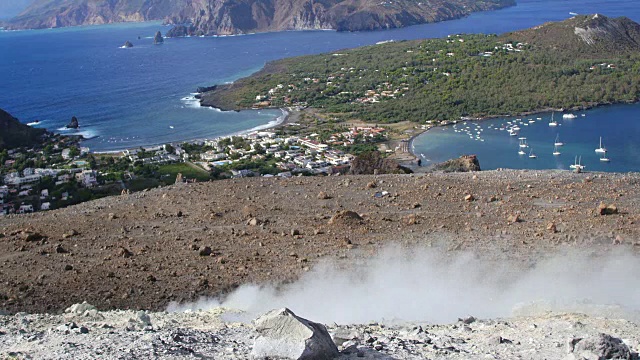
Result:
pixel 181 242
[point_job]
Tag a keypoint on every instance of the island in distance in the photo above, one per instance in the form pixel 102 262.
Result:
pixel 209 17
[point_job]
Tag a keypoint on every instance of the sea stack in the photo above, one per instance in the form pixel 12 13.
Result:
pixel 127 44
pixel 73 124
pixel 158 38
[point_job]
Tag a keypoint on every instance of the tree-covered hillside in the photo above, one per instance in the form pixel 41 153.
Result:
pixel 458 76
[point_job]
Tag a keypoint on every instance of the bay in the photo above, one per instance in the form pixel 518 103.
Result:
pixel 489 140
pixel 139 96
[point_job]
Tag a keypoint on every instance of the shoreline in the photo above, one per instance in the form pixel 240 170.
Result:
pixel 279 121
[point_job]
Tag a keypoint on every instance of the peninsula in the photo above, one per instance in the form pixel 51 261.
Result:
pixel 581 62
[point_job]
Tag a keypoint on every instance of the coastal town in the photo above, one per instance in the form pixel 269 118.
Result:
pixel 60 174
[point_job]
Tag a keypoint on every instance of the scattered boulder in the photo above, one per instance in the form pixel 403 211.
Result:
pixel 157 39
pixel 345 217
pixel 371 185
pixel 69 234
pixel 410 219
pixel 127 44
pixel 60 249
pixel 601 346
pixel 604 209
pixel 551 227
pixel 206 251
pixel 254 222
pixel 469 198
pixel 31 236
pixel 515 218
pixel 140 321
pixel 80 309
pixel 73 124
pixel 124 252
pixel 282 334
pixel 323 196
pixel 179 179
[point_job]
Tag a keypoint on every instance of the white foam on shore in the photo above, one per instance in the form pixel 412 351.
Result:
pixel 439 286
pixel 85 133
pixel 271 124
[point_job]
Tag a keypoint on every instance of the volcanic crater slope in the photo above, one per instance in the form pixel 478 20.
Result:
pixel 179 243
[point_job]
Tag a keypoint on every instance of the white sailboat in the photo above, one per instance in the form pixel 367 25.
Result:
pixel 532 155
pixel 558 142
pixel 555 150
pixel 521 152
pixel 569 116
pixel 604 158
pixel 601 149
pixel 577 164
pixel 523 142
pixel 553 122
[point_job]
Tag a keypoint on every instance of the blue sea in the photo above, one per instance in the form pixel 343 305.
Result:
pixel 126 98
pixel 618 125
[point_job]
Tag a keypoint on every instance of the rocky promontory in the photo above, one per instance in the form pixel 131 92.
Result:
pixel 226 17
pixel 73 124
pixel 13 133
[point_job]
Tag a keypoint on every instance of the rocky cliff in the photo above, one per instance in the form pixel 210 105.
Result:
pixel 15 134
pixel 209 17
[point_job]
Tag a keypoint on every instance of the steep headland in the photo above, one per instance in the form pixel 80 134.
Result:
pixel 210 17
pixel 15 134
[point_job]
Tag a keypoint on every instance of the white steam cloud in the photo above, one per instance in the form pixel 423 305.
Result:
pixel 433 285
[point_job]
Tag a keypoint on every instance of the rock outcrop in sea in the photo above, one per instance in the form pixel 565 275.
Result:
pixel 127 44
pixel 73 124
pixel 157 39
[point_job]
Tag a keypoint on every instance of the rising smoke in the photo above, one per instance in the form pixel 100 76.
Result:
pixel 433 285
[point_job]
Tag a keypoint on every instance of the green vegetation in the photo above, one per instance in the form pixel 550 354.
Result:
pixel 169 172
pixel 450 78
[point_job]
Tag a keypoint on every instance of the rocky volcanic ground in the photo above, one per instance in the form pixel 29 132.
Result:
pixel 179 243
pixel 89 334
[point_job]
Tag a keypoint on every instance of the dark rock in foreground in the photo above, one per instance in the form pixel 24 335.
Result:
pixel 464 163
pixel 372 163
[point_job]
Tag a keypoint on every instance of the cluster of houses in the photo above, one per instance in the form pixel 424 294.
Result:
pixel 158 155
pixel 292 154
pixel 603 66
pixel 18 188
